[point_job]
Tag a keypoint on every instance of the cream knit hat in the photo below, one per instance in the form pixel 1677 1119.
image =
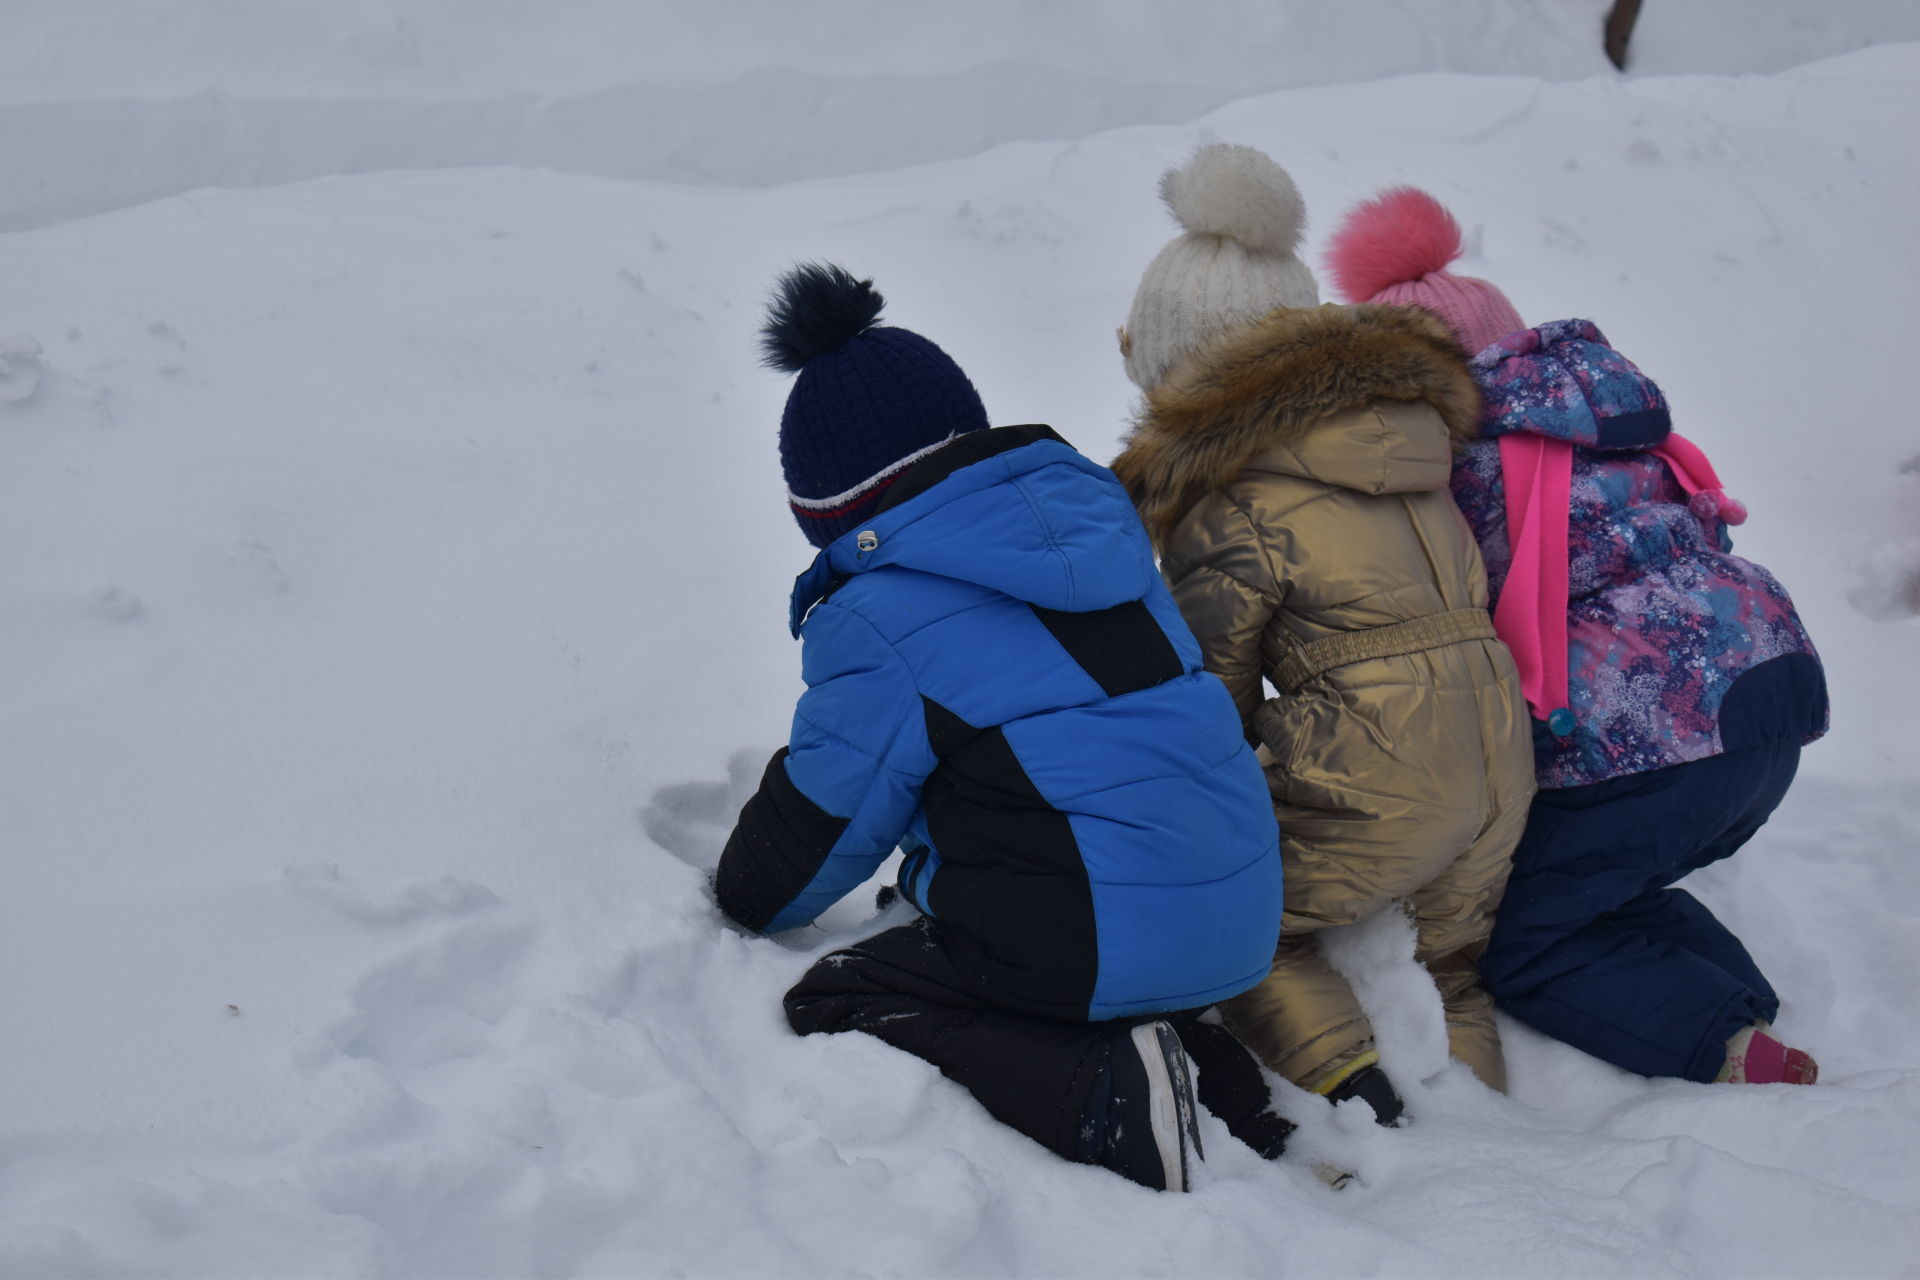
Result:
pixel 1243 219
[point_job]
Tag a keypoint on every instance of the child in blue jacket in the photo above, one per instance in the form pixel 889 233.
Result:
pixel 999 684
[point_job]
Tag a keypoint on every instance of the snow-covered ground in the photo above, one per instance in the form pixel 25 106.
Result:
pixel 106 103
pixel 393 616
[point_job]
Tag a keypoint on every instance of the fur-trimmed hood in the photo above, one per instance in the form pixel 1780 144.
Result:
pixel 1269 383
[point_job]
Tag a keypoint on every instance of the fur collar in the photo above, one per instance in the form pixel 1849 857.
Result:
pixel 1270 382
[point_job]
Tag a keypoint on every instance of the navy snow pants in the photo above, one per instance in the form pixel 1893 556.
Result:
pixel 1591 944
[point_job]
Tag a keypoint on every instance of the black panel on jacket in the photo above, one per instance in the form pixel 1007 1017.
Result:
pixel 1122 648
pixel 776 849
pixel 946 732
pixel 1011 882
pixel 961 451
pixel 1633 430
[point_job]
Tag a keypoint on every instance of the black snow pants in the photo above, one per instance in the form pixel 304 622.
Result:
pixel 1041 1076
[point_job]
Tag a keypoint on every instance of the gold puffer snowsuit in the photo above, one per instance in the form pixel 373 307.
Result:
pixel 1294 475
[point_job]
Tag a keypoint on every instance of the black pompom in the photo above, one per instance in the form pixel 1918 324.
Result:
pixel 817 307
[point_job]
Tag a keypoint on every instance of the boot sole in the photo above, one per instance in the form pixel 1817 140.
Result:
pixel 1170 1099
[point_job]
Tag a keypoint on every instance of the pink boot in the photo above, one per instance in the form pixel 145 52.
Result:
pixel 1755 1057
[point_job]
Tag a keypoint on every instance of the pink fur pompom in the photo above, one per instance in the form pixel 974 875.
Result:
pixel 1397 237
pixel 1714 504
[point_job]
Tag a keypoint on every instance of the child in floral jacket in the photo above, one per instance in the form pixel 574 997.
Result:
pixel 1671 682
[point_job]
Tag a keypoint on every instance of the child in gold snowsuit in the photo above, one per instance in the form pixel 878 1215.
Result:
pixel 1291 462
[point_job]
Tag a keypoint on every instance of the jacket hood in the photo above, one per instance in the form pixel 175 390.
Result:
pixel 1265 386
pixel 1014 509
pixel 1562 381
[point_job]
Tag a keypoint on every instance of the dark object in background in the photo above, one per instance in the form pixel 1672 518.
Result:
pixel 1909 589
pixel 1619 29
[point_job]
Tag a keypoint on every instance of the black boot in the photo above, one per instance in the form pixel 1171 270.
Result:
pixel 1142 1119
pixel 1233 1088
pixel 1371 1084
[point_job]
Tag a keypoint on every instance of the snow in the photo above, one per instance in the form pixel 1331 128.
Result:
pixel 107 103
pixel 394 619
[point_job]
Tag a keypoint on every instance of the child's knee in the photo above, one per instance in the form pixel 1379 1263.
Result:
pixel 1301 1025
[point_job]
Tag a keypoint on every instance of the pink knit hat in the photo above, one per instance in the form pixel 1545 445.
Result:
pixel 1395 247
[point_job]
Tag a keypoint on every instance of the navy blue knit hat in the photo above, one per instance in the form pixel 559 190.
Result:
pixel 869 402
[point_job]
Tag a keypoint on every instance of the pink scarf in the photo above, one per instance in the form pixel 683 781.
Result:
pixel 1532 614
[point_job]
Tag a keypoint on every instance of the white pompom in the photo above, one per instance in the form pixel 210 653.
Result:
pixel 1239 193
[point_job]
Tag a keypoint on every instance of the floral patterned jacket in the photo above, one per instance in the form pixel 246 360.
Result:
pixel 1677 649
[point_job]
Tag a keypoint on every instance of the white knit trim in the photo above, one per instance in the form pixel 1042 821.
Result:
pixel 842 499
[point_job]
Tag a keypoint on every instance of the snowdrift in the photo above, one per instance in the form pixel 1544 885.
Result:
pixel 107 103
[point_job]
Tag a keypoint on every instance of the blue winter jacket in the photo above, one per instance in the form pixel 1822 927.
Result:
pixel 999 683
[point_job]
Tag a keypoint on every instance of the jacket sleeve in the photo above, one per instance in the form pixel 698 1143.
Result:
pixel 838 797
pixel 1222 581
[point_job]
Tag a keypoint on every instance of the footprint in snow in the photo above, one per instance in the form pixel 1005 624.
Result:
pixel 451 997
pixel 692 820
pixel 115 605
pixel 21 365
pixel 445 897
pixel 1889 571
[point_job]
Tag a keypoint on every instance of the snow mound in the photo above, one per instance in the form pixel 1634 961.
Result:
pixel 21 364
pixel 183 94
pixel 1889 587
